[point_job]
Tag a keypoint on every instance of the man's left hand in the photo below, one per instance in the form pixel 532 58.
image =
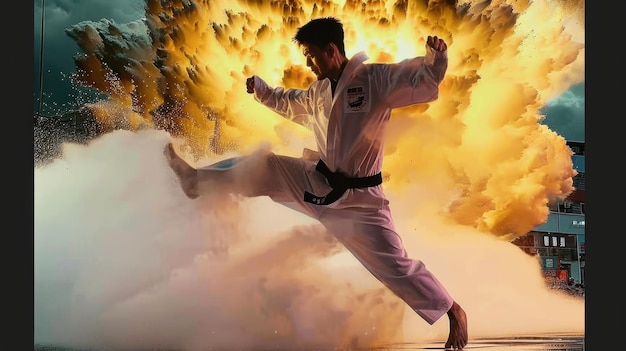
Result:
pixel 436 43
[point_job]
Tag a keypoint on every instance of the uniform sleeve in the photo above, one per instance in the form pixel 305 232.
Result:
pixel 412 81
pixel 292 104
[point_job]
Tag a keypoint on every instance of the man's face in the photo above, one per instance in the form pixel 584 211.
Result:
pixel 318 60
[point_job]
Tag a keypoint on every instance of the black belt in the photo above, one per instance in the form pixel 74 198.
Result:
pixel 340 183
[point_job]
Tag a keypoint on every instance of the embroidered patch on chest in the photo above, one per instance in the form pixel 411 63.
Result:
pixel 356 99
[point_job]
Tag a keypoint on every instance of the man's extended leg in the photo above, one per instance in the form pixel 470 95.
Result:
pixel 187 175
pixel 262 173
pixel 370 235
pixel 246 175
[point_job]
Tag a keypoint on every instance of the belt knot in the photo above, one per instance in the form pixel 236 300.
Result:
pixel 340 183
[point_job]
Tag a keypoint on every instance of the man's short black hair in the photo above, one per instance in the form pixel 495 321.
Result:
pixel 321 32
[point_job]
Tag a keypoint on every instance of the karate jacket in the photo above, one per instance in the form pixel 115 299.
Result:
pixel 349 127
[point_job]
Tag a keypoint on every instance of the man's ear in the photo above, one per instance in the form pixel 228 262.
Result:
pixel 331 49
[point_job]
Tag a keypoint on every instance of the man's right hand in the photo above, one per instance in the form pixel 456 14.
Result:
pixel 250 85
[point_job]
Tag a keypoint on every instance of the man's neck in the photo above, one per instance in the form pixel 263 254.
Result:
pixel 334 76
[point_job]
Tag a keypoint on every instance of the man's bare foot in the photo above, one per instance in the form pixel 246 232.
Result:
pixel 457 339
pixel 187 175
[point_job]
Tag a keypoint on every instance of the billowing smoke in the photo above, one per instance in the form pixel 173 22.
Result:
pixel 183 69
pixel 123 259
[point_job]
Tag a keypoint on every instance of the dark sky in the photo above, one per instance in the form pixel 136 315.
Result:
pixel 59 49
pixel 565 115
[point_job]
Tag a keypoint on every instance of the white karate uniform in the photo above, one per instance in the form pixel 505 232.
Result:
pixel 349 129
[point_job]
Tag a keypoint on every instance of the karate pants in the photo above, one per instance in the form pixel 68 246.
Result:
pixel 368 233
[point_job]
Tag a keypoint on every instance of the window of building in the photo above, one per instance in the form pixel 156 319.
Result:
pixel 576 147
pixel 579 181
pixel 562 241
pixel 568 206
pixel 546 240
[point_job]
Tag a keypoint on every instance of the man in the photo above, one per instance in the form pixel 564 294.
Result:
pixel 347 109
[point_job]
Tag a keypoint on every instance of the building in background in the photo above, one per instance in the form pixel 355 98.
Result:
pixel 560 241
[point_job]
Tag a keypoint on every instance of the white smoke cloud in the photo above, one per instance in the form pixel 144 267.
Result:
pixel 124 259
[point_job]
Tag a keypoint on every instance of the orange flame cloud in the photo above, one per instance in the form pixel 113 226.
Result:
pixel 480 147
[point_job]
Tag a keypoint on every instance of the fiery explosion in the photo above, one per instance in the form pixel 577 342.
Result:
pixel 183 69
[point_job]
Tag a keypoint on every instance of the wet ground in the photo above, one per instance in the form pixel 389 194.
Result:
pixel 518 343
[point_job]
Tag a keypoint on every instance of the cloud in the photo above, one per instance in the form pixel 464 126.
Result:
pixel 60 95
pixel 123 260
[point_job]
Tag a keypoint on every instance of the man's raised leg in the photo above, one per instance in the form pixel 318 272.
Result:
pixel 187 175
pixel 248 175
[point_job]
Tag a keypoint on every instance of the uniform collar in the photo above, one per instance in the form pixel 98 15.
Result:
pixel 351 68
